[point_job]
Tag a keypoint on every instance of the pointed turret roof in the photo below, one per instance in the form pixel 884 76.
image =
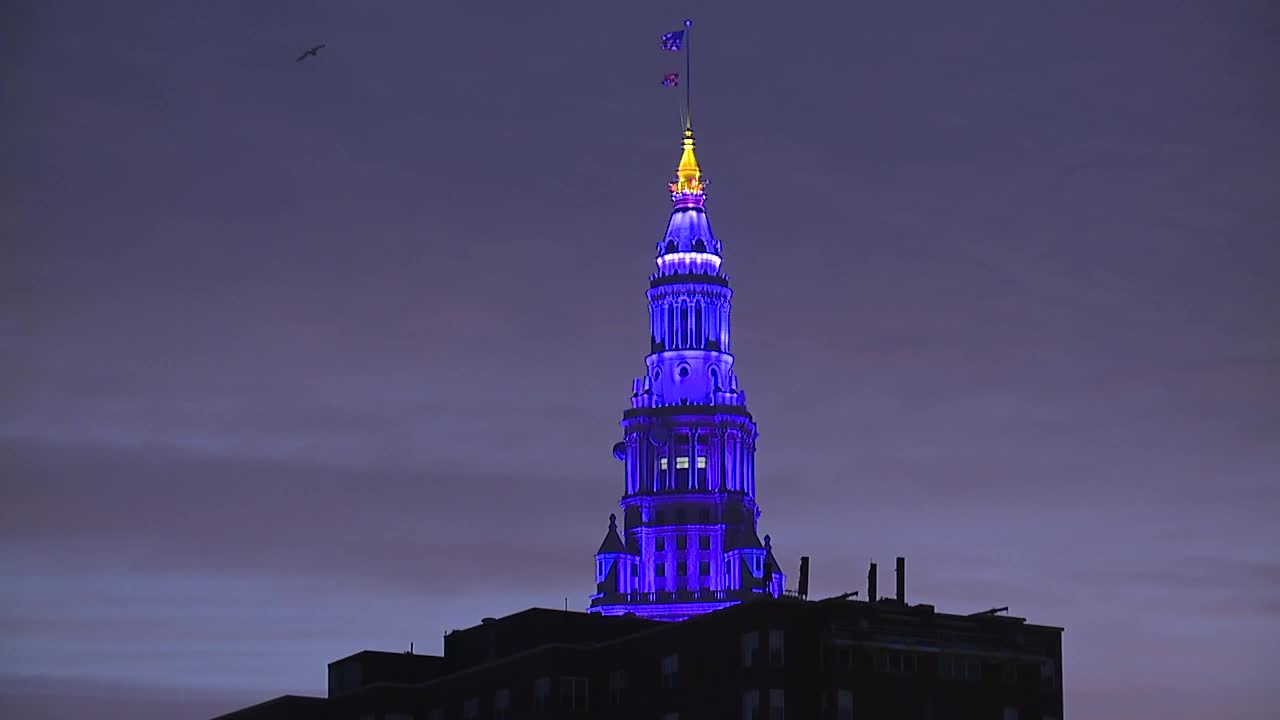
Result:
pixel 768 554
pixel 688 229
pixel 612 541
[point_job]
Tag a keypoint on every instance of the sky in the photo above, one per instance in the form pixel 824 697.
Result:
pixel 301 359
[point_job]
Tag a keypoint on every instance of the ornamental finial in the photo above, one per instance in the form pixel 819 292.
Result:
pixel 688 175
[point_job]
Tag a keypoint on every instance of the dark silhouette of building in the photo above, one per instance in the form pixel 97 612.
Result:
pixel 767 658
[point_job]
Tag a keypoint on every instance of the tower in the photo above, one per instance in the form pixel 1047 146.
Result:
pixel 689 541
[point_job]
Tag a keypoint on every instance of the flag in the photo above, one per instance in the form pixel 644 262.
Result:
pixel 671 80
pixel 673 41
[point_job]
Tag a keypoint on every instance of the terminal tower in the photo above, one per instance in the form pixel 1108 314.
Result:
pixel 688 541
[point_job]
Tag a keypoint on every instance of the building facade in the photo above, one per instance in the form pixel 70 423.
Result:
pixel 689 541
pixel 762 659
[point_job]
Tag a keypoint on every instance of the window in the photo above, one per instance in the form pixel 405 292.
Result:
pixel 777 710
pixel 704 568
pixel 1010 713
pixel 660 543
pixel 471 709
pixel 436 714
pixel 617 684
pixel 682 462
pixel 844 705
pixel 662 464
pixel 892 662
pixel 1048 675
pixel 751 705
pixel 670 667
pixel 682 542
pixel 704 541
pixel 775 648
pixel 573 694
pixel 948 667
pixel 750 648
pixel 972 670
pixel 502 704
pixel 542 692
pixel 660 569
pixel 662 518
pixel 682 568
pixel 1009 672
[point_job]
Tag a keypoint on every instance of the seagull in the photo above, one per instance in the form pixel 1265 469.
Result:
pixel 313 52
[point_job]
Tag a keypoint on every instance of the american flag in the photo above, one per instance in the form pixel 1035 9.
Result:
pixel 673 41
pixel 671 80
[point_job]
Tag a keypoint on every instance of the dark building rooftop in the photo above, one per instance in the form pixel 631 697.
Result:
pixel 767 658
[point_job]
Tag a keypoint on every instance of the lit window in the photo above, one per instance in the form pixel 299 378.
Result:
pixel 662 464
pixel 777 710
pixel 702 462
pixel 775 647
pixel 682 462
pixel 670 666
pixel 573 694
pixel 750 648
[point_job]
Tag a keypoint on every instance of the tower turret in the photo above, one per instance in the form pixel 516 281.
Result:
pixel 689 508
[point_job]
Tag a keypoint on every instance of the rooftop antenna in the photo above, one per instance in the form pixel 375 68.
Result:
pixel 841 596
pixel 992 611
pixel 803 588
pixel 901 573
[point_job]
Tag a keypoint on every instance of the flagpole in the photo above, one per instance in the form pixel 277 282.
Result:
pixel 688 75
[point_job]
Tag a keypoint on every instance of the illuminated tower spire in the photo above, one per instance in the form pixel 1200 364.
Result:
pixel 689 543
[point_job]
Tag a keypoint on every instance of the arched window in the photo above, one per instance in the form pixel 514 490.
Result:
pixel 699 245
pixel 684 323
pixel 697 324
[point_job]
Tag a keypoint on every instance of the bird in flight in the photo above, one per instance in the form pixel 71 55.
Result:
pixel 313 52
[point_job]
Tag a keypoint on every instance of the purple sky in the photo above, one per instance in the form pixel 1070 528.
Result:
pixel 307 358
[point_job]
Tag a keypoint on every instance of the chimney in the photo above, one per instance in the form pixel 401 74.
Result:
pixel 901 572
pixel 871 584
pixel 803 587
